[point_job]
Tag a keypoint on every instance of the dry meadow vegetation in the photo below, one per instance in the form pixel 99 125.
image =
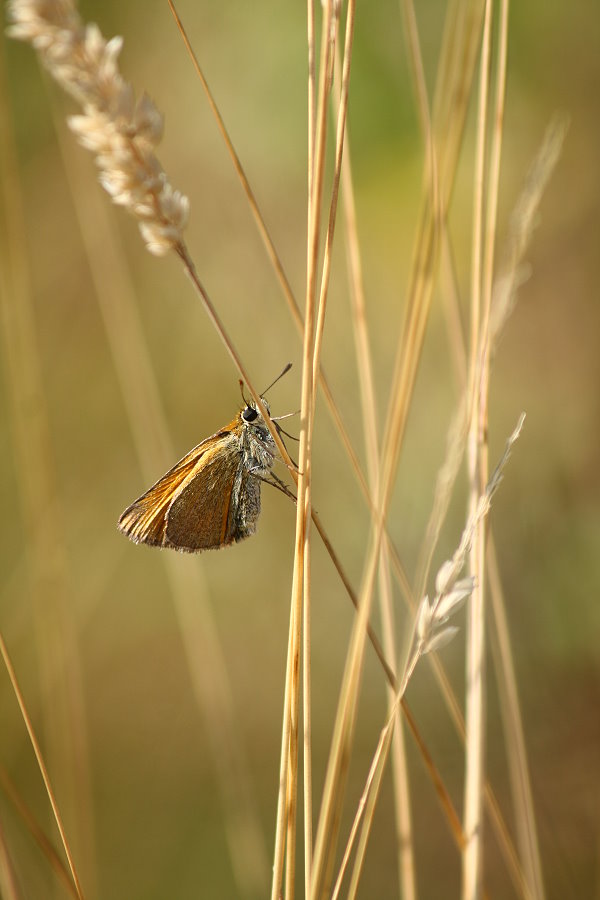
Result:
pixel 386 692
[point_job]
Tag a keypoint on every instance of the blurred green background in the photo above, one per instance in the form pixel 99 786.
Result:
pixel 158 822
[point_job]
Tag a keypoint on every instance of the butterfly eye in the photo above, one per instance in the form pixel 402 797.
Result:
pixel 249 414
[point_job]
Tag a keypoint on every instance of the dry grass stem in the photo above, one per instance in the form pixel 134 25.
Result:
pixel 472 859
pixel 531 882
pixel 375 770
pixel 36 832
pixel 8 881
pixel 459 43
pixel 41 765
pixel 417 71
pixel 240 172
pixel 342 108
pixel 306 610
pixel 327 60
pixel 286 810
pixel 307 727
pixel 495 157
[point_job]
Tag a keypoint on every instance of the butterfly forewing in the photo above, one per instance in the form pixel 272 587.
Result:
pixel 145 520
pixel 200 515
pixel 211 497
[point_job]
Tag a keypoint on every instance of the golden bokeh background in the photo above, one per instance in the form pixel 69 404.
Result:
pixel 155 816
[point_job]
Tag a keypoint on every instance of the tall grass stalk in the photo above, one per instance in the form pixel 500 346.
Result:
pixel 38 834
pixel 472 860
pixel 313 327
pixel 41 765
pixel 8 882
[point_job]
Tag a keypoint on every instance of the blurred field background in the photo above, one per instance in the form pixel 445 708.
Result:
pixel 147 817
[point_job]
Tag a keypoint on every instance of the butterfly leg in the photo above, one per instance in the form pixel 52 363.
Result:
pixel 276 482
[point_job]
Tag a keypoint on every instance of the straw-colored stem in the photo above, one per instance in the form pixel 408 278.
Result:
pixel 306 610
pixel 495 157
pixel 461 38
pixel 366 807
pixel 313 313
pixel 532 884
pixel 319 328
pixel 36 832
pixel 239 169
pixel 482 269
pixel 311 90
pixel 8 881
pixel 303 505
pixel 342 109
pixel 472 861
pixel 219 327
pixel 292 770
pixel 307 727
pixel 370 791
pixel 41 765
pixel 280 822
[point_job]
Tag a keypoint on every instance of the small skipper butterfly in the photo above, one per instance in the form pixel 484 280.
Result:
pixel 211 497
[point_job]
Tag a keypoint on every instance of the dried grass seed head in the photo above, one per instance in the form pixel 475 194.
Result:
pixel 119 130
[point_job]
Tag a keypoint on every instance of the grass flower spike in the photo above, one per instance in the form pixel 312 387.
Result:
pixel 431 630
pixel 121 131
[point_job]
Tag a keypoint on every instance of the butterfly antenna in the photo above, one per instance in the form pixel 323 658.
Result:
pixel 281 374
pixel 242 391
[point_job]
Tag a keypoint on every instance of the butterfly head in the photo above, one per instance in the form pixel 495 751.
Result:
pixel 251 416
pixel 253 422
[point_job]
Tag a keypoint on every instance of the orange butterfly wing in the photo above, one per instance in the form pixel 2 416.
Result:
pixel 145 521
pixel 200 516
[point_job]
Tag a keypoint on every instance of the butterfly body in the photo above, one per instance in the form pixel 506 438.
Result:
pixel 211 497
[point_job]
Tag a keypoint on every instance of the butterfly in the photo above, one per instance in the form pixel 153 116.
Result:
pixel 211 497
